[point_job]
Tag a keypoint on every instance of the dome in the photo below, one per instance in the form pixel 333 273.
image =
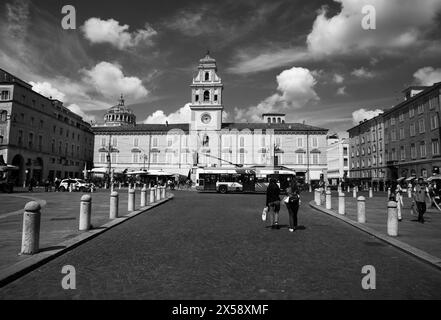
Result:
pixel 207 62
pixel 119 115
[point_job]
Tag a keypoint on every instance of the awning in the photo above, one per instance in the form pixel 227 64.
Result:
pixel 436 177
pixel 98 170
pixel 410 178
pixel 401 179
pixel 8 167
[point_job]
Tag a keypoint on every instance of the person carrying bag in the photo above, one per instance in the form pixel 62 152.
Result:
pixel 292 202
pixel 273 203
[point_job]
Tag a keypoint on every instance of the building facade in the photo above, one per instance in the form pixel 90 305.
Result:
pixel 338 159
pixel 207 141
pixel 402 142
pixel 413 134
pixel 367 161
pixel 39 135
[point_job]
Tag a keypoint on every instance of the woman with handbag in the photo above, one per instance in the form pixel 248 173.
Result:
pixel 292 202
pixel 273 203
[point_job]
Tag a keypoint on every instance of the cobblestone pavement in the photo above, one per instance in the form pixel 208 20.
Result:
pixel 426 237
pixel 210 246
pixel 59 218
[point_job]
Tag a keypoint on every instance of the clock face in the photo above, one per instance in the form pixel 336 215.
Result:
pixel 206 118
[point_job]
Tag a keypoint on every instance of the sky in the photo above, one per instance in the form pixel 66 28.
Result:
pixel 310 59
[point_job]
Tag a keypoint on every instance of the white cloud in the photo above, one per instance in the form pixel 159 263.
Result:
pixel 341 91
pixel 427 76
pixel 400 24
pixel 272 58
pixel 76 109
pixel 338 78
pixel 363 114
pixel 110 31
pixel 363 73
pixel 109 80
pixel 180 116
pixel 46 89
pixel 296 89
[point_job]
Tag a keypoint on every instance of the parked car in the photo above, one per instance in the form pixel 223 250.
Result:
pixel 77 185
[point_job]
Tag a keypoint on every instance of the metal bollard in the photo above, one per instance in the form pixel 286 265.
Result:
pixel 114 204
pixel 152 195
pixel 341 203
pixel 143 196
pixel 328 200
pixel 371 193
pixel 85 212
pixel 354 193
pixel 131 201
pixel 361 209
pixel 105 185
pixel 388 193
pixel 310 188
pixel 164 190
pixel 119 186
pixel 30 240
pixel 392 219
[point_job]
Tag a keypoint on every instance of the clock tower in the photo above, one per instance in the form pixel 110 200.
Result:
pixel 206 97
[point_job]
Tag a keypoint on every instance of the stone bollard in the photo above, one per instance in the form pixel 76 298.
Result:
pixel 341 203
pixel 371 193
pixel 317 197
pixel 354 193
pixel 85 212
pixel 158 193
pixel 31 228
pixel 392 219
pixel 152 195
pixel 131 201
pixel 114 204
pixel 361 209
pixel 328 200
pixel 143 197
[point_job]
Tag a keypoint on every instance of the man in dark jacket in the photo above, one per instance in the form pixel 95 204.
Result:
pixel 273 203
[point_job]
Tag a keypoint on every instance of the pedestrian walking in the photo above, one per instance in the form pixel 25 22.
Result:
pixel 57 183
pixel 292 202
pixel 420 197
pixel 47 185
pixel 273 203
pixel 399 199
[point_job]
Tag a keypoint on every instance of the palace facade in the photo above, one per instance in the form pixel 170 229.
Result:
pixel 206 140
pixel 39 135
pixel 403 142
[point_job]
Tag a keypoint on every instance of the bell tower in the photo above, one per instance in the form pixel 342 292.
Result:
pixel 206 96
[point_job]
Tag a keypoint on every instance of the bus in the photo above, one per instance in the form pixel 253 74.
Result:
pixel 247 180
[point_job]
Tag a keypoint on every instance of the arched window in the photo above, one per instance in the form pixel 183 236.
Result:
pixel 274 120
pixel 207 76
pixel 206 95
pixel 269 120
pixel 279 120
pixel 196 98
